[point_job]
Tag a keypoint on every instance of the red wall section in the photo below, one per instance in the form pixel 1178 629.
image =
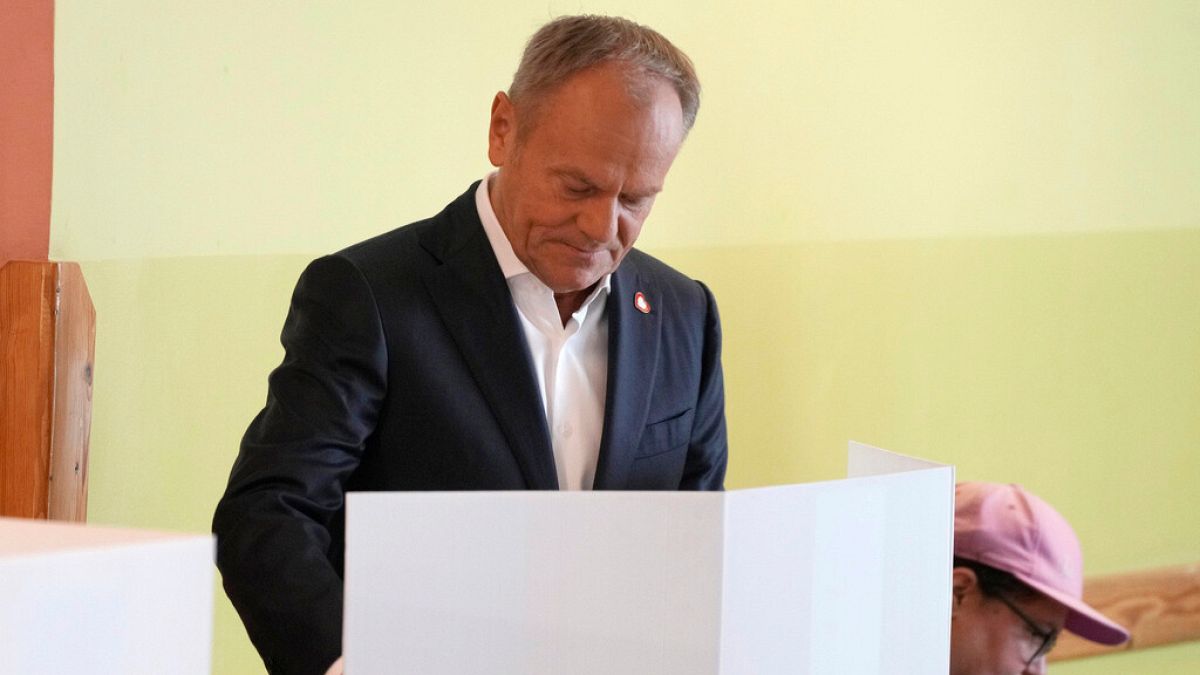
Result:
pixel 26 127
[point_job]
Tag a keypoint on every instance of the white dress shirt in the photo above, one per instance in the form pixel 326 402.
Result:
pixel 570 362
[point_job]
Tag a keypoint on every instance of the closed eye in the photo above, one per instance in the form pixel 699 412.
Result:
pixel 634 202
pixel 578 191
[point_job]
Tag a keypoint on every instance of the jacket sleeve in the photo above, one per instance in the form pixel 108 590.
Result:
pixel 708 450
pixel 273 524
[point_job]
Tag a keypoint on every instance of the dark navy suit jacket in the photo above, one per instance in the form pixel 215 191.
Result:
pixel 406 368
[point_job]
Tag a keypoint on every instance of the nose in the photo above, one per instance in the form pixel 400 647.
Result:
pixel 598 219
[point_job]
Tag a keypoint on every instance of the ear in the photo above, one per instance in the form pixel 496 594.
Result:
pixel 962 582
pixel 502 130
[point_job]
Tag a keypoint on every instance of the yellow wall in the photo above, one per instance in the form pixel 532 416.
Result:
pixel 965 230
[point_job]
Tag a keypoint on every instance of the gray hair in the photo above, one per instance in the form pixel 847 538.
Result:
pixel 570 44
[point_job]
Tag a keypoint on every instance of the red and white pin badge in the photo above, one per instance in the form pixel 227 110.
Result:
pixel 640 301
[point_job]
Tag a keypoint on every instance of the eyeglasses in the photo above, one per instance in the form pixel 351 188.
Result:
pixel 1047 637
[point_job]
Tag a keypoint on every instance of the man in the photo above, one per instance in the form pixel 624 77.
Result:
pixel 513 341
pixel 1017 583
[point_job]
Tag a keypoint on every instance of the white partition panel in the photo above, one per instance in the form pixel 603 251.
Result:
pixel 81 599
pixel 849 576
pixel 532 582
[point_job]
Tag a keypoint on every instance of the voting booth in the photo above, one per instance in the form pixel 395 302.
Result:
pixel 840 577
pixel 96 600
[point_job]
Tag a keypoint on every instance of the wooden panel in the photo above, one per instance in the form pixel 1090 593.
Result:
pixel 74 350
pixel 47 337
pixel 26 382
pixel 1158 606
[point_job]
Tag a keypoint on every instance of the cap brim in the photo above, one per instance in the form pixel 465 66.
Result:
pixel 1085 621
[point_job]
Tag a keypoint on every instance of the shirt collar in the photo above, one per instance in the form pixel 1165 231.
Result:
pixel 510 265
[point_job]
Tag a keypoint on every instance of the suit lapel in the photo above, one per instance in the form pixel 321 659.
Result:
pixel 633 344
pixel 472 297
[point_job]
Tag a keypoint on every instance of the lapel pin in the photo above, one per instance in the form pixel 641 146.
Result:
pixel 642 304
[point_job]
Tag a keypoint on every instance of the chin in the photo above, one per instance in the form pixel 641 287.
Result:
pixel 572 281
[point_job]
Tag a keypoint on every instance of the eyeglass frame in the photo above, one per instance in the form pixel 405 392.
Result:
pixel 1048 637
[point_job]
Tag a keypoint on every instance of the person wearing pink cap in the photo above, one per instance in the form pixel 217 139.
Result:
pixel 1017 582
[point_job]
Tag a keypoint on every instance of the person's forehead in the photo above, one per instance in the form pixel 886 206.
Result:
pixel 569 172
pixel 594 117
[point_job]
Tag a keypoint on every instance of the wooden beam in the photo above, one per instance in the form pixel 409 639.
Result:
pixel 74 359
pixel 47 338
pixel 1158 606
pixel 26 376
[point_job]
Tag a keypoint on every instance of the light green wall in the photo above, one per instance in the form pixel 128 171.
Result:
pixel 963 230
pixel 232 127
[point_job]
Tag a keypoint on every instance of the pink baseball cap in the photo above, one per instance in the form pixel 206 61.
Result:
pixel 1006 527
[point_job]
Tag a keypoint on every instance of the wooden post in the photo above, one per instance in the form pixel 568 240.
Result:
pixel 1158 606
pixel 47 343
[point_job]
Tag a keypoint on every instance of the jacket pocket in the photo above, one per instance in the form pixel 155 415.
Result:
pixel 665 435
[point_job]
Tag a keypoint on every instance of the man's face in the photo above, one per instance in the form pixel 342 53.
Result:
pixel 578 180
pixel 987 637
